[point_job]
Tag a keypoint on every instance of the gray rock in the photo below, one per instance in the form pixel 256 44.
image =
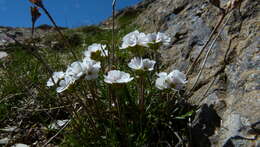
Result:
pixel 235 94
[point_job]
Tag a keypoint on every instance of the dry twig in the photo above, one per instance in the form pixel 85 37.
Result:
pixel 208 52
pixel 60 130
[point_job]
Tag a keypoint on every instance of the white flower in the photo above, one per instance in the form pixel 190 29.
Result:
pixel 91 69
pixel 55 78
pixel 141 64
pixel 65 83
pixel 163 38
pixel 142 40
pixel 130 40
pixel 95 48
pixel 158 38
pixel 134 38
pixel 136 63
pixel 151 37
pixel 174 80
pixel 160 82
pixel 148 64
pixel 116 76
pixel 75 70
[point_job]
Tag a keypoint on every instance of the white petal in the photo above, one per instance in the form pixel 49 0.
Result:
pixel 75 70
pixel 151 37
pixel 130 40
pixel 161 37
pixel 116 76
pixel 143 40
pixel 148 64
pixel 55 78
pixel 91 69
pixel 136 63
pixel 177 78
pixel 64 84
pixel 160 83
pixel 162 74
pixel 94 48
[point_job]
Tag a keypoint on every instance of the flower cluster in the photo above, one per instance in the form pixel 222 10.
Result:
pixel 137 38
pixel 174 80
pixel 91 64
pixel 120 77
pixel 88 68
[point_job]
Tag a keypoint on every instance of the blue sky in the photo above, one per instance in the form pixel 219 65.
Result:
pixel 68 13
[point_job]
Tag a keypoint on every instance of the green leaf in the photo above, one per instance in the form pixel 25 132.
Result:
pixel 184 116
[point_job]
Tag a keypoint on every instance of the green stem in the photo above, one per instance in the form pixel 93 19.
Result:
pixel 92 84
pixel 141 94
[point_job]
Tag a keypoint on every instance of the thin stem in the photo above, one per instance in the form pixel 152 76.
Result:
pixel 141 94
pixel 208 52
pixel 33 29
pixel 67 123
pixel 113 31
pixel 210 85
pixel 207 42
pixel 94 95
pixel 58 30
pixel 52 20
pixel 35 54
pixel 92 122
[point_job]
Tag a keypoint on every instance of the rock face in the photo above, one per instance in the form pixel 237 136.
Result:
pixel 233 64
pixel 21 34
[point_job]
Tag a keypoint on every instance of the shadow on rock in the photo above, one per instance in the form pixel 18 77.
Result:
pixel 203 126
